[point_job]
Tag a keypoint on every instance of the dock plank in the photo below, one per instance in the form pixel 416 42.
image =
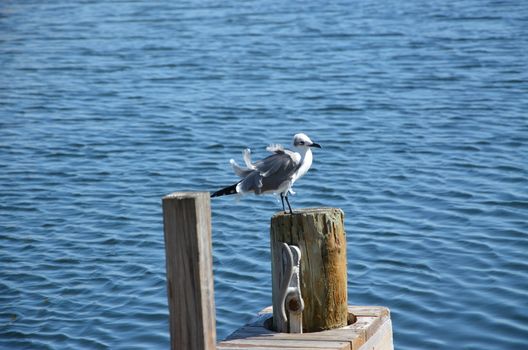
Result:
pixel 255 334
pixel 278 342
pixel 369 310
pixel 353 338
pixel 245 347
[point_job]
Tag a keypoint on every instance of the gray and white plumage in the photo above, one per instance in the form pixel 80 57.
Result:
pixel 274 174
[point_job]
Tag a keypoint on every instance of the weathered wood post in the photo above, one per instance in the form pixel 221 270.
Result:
pixel 187 229
pixel 320 235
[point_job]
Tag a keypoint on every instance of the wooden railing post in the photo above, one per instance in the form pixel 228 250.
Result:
pixel 188 252
pixel 320 235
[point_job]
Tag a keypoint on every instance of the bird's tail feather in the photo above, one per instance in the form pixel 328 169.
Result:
pixel 225 191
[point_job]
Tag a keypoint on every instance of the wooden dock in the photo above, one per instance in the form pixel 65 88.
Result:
pixel 314 302
pixel 372 330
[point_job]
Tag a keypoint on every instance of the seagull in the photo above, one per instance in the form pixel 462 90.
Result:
pixel 274 174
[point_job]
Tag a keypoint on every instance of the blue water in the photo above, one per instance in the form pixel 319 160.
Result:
pixel 421 108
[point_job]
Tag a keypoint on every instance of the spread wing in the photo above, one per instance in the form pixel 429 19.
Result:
pixel 271 172
pixel 243 172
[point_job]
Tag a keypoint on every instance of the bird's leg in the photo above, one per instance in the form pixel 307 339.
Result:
pixel 282 201
pixel 289 206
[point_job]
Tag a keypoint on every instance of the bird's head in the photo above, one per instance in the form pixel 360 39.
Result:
pixel 303 141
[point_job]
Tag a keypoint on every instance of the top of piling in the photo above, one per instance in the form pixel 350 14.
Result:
pixel 184 195
pixel 310 211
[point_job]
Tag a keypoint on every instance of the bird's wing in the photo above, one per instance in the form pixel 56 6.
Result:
pixel 243 172
pixel 283 162
pixel 271 172
pixel 246 154
pixel 239 171
pixel 275 148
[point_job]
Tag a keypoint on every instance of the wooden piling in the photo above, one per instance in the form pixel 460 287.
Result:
pixel 320 235
pixel 187 230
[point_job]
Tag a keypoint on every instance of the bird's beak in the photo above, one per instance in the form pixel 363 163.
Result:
pixel 315 145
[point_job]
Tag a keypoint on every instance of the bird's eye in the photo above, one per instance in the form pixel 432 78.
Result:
pixel 302 142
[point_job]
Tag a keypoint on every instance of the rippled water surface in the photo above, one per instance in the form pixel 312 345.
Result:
pixel 421 108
